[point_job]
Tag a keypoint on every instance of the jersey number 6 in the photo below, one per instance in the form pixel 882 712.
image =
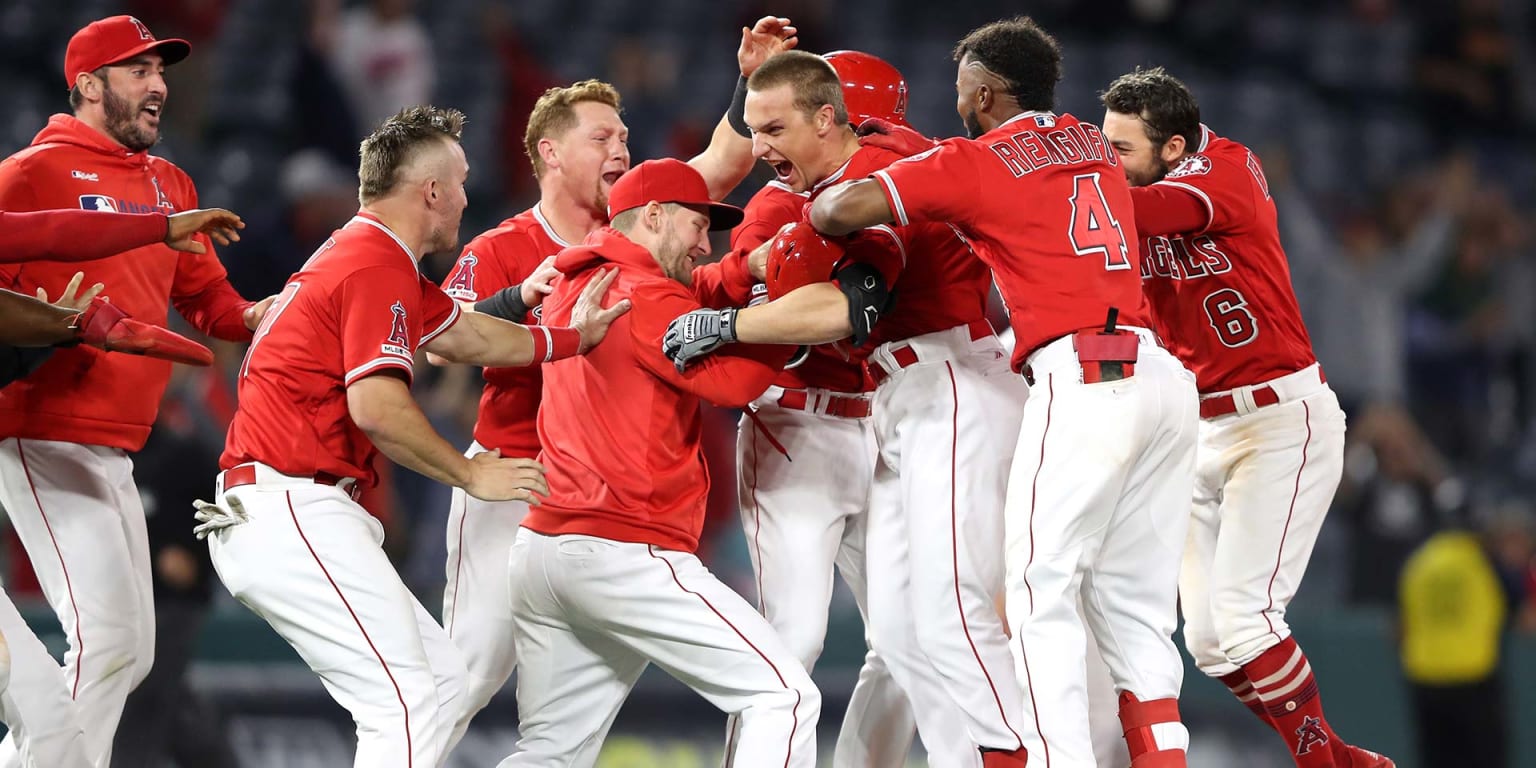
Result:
pixel 1229 316
pixel 1094 229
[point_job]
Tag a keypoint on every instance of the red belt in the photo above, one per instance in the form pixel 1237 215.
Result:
pixel 245 474
pixel 904 356
pixel 845 406
pixel 1225 403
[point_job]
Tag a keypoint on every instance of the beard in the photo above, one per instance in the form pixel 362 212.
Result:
pixel 673 255
pixel 1155 174
pixel 973 127
pixel 123 122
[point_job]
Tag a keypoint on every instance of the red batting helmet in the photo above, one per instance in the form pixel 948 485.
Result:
pixel 800 256
pixel 871 87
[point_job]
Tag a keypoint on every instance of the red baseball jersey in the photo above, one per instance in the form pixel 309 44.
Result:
pixel 83 394
pixel 938 281
pixel 826 366
pixel 358 308
pixel 501 258
pixel 1042 200
pixel 1220 290
pixel 621 426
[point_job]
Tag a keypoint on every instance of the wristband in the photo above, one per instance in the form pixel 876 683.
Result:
pixel 551 344
pixel 737 114
pixel 506 304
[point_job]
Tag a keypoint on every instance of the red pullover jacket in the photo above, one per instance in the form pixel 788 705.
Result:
pixel 620 427
pixel 83 394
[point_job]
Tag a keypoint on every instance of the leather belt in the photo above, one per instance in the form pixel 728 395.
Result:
pixel 245 474
pixel 844 406
pixel 905 356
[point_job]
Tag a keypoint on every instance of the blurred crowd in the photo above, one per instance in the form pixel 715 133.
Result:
pixel 1394 132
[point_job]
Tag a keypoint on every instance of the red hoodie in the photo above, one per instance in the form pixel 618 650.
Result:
pixel 620 426
pixel 82 394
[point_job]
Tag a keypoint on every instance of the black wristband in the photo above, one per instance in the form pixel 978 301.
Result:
pixel 737 114
pixel 506 304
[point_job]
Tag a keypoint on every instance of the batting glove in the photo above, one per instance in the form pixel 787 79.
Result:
pixel 213 518
pixel 697 334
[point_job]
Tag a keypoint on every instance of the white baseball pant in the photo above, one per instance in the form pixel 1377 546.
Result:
pixel 945 428
pixel 308 560
pixel 803 510
pixel 1264 480
pixel 78 513
pixel 1098 510
pixel 590 613
pixel 477 609
pixel 34 702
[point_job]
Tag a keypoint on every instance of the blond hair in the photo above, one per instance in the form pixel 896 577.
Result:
pixel 555 113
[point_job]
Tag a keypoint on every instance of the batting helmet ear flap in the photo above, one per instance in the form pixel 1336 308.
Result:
pixel 798 257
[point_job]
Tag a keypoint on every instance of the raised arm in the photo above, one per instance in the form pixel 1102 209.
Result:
pixel 728 158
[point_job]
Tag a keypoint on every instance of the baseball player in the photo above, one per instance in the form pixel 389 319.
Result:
pixel 578 145
pixel 803 516
pixel 935 346
pixel 324 386
pixel 1097 495
pixel 67 429
pixel 603 578
pixel 38 707
pixel 1271 431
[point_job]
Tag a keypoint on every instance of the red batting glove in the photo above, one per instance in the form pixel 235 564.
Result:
pixel 105 326
pixel 901 139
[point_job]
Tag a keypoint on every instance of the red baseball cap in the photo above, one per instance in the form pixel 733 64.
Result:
pixel 114 39
pixel 669 181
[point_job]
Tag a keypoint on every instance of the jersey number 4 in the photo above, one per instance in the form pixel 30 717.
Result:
pixel 1094 229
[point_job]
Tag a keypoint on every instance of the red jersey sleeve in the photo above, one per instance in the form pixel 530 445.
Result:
pixel 16 194
pixel 438 309
pixel 937 185
pixel 68 235
pixel 381 315
pixel 726 283
pixel 731 377
pixel 1225 189
pixel 771 208
pixel 481 271
pixel 1166 209
pixel 201 292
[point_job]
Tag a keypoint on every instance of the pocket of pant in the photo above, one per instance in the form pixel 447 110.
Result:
pixel 584 547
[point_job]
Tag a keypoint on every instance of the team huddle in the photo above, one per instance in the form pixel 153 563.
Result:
pixel 1019 545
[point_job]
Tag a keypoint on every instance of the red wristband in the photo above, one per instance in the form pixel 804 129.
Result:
pixel 551 344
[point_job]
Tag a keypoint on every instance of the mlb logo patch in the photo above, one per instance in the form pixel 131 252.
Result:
pixel 98 203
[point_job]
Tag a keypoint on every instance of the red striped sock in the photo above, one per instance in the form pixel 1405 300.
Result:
pixel 1282 679
pixel 1237 683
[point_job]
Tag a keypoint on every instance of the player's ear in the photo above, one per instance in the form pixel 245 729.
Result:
pixel 1173 148
pixel 548 153
pixel 825 119
pixel 984 98
pixel 88 85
